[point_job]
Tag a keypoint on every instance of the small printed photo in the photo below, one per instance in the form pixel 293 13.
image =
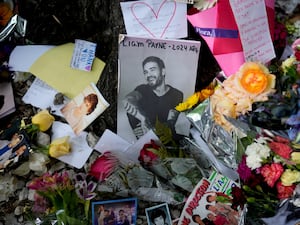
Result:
pixel 158 215
pixel 14 152
pixel 82 110
pixel 115 212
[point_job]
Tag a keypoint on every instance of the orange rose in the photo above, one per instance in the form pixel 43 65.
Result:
pixel 255 78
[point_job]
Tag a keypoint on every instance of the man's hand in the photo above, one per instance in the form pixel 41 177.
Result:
pixel 142 128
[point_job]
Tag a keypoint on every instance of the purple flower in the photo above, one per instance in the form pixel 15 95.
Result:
pixel 294 122
pixel 40 204
pixel 243 170
pixel 84 189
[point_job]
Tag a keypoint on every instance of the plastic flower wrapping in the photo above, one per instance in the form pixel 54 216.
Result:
pixel 243 149
pixel 253 129
pixel 156 178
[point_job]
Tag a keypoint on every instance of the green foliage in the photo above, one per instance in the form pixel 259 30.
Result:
pixel 172 149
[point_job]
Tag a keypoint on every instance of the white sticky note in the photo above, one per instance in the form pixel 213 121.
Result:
pixel 83 55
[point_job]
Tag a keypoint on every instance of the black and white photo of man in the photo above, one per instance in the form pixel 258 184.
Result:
pixel 152 101
pixel 155 75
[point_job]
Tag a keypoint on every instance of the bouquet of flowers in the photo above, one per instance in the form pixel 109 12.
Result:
pixel 269 171
pixel 63 197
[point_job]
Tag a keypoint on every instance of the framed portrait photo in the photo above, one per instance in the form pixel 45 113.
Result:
pixel 115 212
pixel 158 215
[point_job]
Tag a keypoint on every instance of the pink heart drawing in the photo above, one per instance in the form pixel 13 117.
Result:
pixel 156 15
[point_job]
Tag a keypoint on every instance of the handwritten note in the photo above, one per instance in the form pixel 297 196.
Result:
pixel 183 46
pixel 251 18
pixel 155 18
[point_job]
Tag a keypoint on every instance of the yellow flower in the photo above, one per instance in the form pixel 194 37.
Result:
pixel 59 147
pixel 290 177
pixel 189 102
pixel 295 157
pixel 197 97
pixel 255 78
pixel 235 96
pixel 43 120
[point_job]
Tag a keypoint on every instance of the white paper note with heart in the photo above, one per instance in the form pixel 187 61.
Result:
pixel 155 18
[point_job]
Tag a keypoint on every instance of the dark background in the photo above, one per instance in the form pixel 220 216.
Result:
pixel 98 21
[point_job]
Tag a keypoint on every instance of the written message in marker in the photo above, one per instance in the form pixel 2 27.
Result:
pixel 251 18
pixel 156 44
pixel 178 68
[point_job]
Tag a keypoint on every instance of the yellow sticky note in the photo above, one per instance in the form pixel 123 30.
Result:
pixel 53 67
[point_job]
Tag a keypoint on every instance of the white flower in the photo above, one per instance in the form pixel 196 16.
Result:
pixel 256 152
pixel 253 161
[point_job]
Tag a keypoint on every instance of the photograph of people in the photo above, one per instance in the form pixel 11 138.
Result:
pixel 197 219
pixel 122 218
pixel 152 83
pixel 158 215
pixel 114 212
pixel 84 108
pixel 14 151
pixel 74 113
pixel 154 100
pixel 222 212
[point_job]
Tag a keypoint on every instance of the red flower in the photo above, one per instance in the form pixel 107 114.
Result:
pixel 297 55
pixel 272 173
pixel 103 166
pixel 238 198
pixel 147 154
pixel 284 191
pixel 281 149
pixel 192 11
pixel 281 140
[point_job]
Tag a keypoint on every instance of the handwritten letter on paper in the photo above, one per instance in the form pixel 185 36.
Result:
pixel 252 21
pixel 155 18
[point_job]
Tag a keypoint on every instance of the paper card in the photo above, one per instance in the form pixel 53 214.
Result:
pixel 82 110
pixel 22 57
pixel 110 141
pixel 216 26
pixel 183 1
pixel 252 21
pixel 80 150
pixel 53 67
pixel 41 95
pixel 133 151
pixel 7 102
pixel 83 55
pixel 155 18
pixel 178 78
